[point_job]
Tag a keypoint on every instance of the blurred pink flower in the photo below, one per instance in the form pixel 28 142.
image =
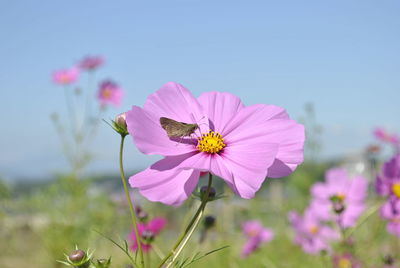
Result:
pixel 110 93
pixel 340 197
pixel 311 234
pixel 388 181
pixel 242 145
pixel 345 260
pixel 384 136
pixel 390 211
pixel 66 76
pixel 91 63
pixel 147 232
pixel 256 234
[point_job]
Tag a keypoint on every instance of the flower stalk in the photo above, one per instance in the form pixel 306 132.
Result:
pixel 189 230
pixel 128 197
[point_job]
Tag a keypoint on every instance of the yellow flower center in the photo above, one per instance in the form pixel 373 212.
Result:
pixel 396 189
pixel 341 196
pixel 314 229
pixel 107 93
pixel 212 143
pixel 344 263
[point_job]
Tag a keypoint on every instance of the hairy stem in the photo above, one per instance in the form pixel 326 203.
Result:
pixel 128 197
pixel 185 236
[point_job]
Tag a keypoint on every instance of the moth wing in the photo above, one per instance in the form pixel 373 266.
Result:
pixel 172 127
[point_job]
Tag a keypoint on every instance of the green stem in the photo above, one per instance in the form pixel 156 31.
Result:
pixel 128 197
pixel 185 236
pixel 367 215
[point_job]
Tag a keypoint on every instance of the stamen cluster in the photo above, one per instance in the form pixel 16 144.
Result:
pixel 212 142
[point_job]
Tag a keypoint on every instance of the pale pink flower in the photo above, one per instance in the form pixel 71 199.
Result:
pixel 91 63
pixel 66 76
pixel 110 93
pixel 256 235
pixel 242 145
pixel 390 211
pixel 147 232
pixel 340 197
pixel 345 260
pixel 310 233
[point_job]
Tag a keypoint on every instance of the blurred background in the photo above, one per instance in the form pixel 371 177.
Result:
pixel 333 65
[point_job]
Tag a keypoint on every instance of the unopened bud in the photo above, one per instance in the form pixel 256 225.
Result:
pixel 119 124
pixel 338 207
pixel 77 256
pixel 209 221
pixel 388 260
pixel 141 214
pixel 148 236
pixel 79 259
pixel 211 193
pixel 103 263
pixel 121 120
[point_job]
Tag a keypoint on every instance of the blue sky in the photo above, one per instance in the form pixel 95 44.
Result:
pixel 343 56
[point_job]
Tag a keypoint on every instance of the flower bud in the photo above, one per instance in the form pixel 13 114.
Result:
pixel 119 124
pixel 209 221
pixel 148 236
pixel 103 263
pixel 120 120
pixel 388 260
pixel 141 214
pixel 211 194
pixel 338 207
pixel 79 259
pixel 77 256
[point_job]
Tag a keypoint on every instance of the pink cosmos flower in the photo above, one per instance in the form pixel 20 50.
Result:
pixel 110 93
pixel 388 182
pixel 256 234
pixel 390 211
pixel 242 145
pixel 311 234
pixel 345 260
pixel 66 76
pixel 147 232
pixel 91 63
pixel 340 197
pixel 384 136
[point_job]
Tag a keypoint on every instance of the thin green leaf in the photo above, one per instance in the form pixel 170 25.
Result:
pixel 115 243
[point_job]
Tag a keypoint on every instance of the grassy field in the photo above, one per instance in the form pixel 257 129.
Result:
pixel 39 225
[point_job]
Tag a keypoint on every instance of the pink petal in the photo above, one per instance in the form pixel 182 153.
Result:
pixel 171 187
pixel 156 225
pixel 266 235
pixel 248 163
pixel 220 108
pixel 203 162
pixel 358 189
pixel 174 101
pixel 320 190
pixel 150 137
pixel 252 116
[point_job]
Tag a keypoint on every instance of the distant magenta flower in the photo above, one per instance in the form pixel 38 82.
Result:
pixel 66 76
pixel 345 260
pixel 110 93
pixel 242 145
pixel 340 197
pixel 147 232
pixel 388 181
pixel 385 136
pixel 91 63
pixel 390 211
pixel 310 233
pixel 256 235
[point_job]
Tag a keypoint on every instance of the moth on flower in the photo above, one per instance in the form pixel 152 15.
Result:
pixel 242 145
